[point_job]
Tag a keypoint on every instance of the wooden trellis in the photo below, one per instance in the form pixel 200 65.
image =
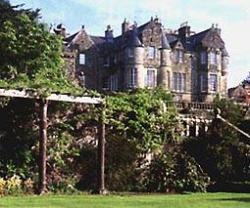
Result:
pixel 43 129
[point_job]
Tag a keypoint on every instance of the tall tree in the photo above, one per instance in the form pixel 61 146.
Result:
pixel 31 57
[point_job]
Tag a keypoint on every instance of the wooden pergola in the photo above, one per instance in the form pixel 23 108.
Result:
pixel 44 101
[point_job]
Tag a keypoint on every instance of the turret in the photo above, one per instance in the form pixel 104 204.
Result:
pixel 225 56
pixel 134 64
pixel 165 64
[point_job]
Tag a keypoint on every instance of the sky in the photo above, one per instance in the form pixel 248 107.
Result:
pixel 232 16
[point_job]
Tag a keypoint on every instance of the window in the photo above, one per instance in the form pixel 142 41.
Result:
pixel 213 82
pixel 113 83
pixel 179 56
pixel 106 84
pixel 132 78
pixel 179 82
pixel 82 59
pixel 168 73
pixel 130 53
pixel 151 52
pixel 203 57
pixel 150 78
pixel 203 83
pixel 213 58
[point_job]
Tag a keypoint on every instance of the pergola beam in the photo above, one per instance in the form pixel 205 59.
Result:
pixel 52 97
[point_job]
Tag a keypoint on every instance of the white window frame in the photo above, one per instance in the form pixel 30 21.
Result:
pixel 82 59
pixel 213 58
pixel 213 81
pixel 151 52
pixel 179 82
pixel 150 74
pixel 132 78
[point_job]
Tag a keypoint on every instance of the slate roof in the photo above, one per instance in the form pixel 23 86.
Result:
pixel 164 41
pixel 133 40
pixel 206 38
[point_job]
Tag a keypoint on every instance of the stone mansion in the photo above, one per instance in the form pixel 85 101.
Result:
pixel 193 66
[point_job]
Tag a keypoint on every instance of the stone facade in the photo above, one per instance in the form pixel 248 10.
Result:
pixel 193 66
pixel 241 93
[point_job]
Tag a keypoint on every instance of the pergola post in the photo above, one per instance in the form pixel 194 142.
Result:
pixel 43 146
pixel 101 152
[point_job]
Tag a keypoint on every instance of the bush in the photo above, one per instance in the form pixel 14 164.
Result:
pixel 10 186
pixel 28 186
pixel 175 172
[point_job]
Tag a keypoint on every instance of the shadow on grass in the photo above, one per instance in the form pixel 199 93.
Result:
pixel 239 199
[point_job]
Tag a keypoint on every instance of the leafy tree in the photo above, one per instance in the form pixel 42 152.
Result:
pixel 31 57
pixel 140 117
pixel 223 153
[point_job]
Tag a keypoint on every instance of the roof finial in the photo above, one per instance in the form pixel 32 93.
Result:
pixel 135 24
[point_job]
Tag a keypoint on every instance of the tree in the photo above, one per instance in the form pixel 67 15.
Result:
pixel 223 153
pixel 31 57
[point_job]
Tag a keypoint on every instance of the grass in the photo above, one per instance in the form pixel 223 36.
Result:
pixel 207 200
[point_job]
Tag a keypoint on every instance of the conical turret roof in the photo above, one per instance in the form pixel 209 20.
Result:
pixel 134 40
pixel 164 41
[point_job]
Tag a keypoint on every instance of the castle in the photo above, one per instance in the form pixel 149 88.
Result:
pixel 193 66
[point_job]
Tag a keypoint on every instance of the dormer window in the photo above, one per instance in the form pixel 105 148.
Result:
pixel 213 58
pixel 203 57
pixel 151 52
pixel 179 56
pixel 82 59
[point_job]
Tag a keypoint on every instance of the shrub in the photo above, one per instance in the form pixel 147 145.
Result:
pixel 175 172
pixel 10 186
pixel 2 187
pixel 28 186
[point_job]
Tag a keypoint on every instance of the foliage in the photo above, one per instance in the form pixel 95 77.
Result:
pixel 223 153
pixel 10 186
pixel 175 171
pixel 31 56
pixel 140 117
pixel 19 136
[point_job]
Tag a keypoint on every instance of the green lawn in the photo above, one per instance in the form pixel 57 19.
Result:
pixel 211 200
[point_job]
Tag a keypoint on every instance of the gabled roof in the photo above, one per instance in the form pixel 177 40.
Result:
pixel 213 40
